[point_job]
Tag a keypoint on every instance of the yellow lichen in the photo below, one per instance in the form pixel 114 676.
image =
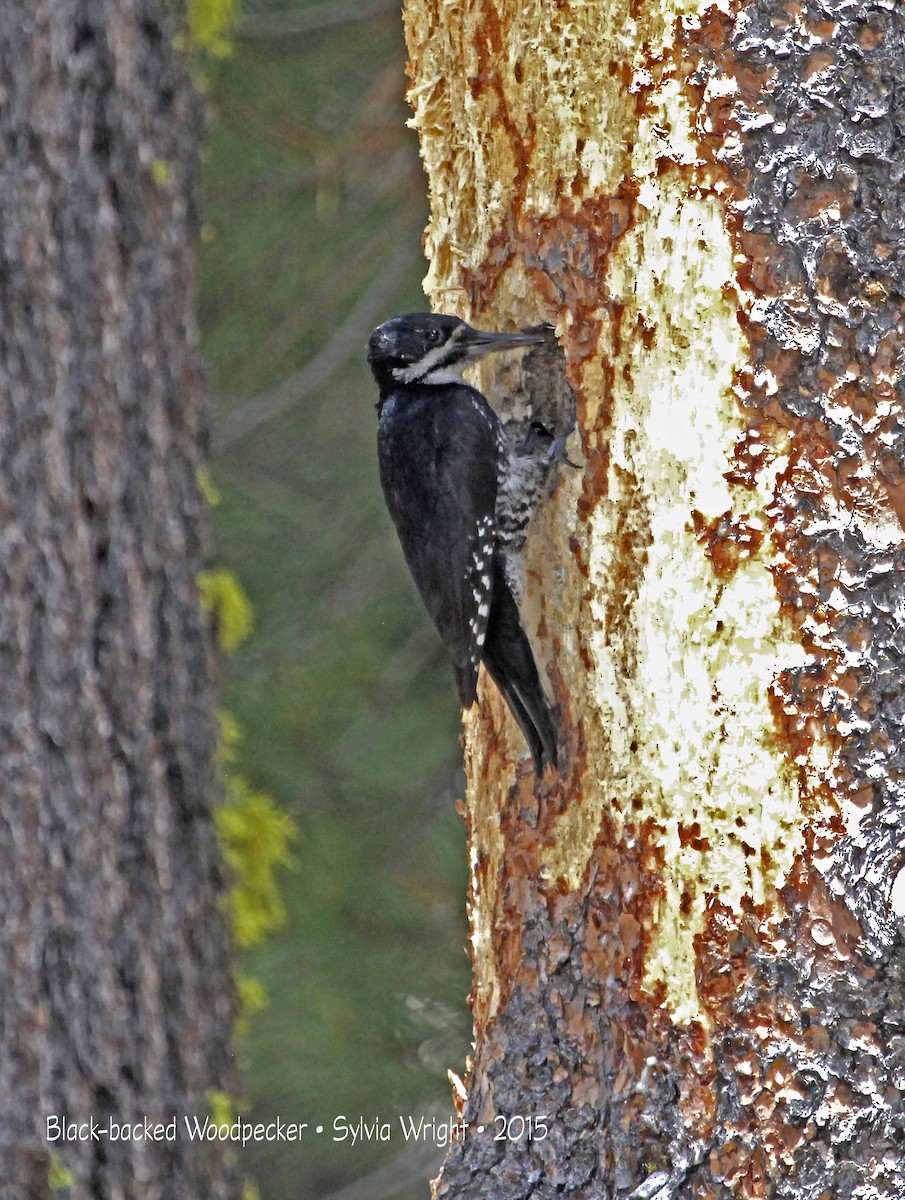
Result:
pixel 224 1109
pixel 223 596
pixel 209 489
pixel 252 1000
pixel 255 835
pixel 58 1176
pixel 211 23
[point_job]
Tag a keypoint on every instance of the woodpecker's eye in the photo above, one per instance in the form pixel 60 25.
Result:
pixel 432 335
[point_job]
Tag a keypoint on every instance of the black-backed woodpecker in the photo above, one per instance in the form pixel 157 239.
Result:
pixel 460 493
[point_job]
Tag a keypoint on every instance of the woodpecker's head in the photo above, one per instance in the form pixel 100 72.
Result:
pixel 431 348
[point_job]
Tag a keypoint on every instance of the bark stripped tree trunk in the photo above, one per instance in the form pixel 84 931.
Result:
pixel 115 994
pixel 686 960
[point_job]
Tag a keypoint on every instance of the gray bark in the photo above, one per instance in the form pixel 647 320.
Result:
pixel 115 994
pixel 821 160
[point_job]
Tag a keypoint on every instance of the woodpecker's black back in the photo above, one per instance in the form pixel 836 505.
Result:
pixel 441 450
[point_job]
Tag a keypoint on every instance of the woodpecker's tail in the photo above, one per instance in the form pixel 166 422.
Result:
pixel 508 657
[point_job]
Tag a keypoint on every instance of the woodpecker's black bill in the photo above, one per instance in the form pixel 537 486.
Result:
pixel 477 342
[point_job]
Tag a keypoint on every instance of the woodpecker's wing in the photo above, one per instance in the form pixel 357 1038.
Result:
pixel 438 456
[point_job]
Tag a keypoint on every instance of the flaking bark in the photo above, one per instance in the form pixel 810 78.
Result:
pixel 686 960
pixel 115 994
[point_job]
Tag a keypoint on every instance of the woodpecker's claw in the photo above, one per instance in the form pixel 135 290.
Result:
pixel 557 453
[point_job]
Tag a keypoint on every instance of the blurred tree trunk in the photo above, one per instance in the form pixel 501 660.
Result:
pixel 688 971
pixel 115 993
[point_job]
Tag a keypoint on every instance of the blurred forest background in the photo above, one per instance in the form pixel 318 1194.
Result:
pixel 314 204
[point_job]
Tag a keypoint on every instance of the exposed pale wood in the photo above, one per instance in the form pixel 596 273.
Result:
pixel 685 958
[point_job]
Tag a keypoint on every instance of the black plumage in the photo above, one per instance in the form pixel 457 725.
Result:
pixel 442 455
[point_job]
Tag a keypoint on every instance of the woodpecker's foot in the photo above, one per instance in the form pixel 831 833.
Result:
pixel 557 453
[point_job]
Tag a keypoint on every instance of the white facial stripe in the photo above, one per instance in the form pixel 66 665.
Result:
pixel 429 369
pixel 444 375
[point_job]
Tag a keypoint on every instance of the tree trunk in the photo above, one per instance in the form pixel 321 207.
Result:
pixel 687 967
pixel 114 958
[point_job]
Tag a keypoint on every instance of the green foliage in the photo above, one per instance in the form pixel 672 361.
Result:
pixel 58 1176
pixel 224 597
pixel 211 22
pixel 343 694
